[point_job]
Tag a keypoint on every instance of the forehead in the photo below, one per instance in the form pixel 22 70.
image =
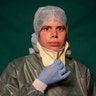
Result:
pixel 53 23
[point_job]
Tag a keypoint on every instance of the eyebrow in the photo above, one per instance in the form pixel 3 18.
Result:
pixel 45 27
pixel 50 26
pixel 61 26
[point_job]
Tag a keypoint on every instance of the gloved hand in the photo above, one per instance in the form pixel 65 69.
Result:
pixel 54 73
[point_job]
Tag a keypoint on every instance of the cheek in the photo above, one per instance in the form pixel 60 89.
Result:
pixel 43 37
pixel 62 39
pixel 42 40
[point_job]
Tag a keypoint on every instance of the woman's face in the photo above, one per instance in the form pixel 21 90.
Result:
pixel 53 35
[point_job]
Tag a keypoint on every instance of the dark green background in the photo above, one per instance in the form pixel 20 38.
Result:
pixel 16 27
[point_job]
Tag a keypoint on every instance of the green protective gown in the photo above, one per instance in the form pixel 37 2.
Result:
pixel 19 75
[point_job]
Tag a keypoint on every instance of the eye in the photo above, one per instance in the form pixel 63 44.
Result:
pixel 60 28
pixel 46 28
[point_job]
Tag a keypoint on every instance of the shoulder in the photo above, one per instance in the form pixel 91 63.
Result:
pixel 76 64
pixel 79 68
pixel 24 58
pixel 21 61
pixel 20 64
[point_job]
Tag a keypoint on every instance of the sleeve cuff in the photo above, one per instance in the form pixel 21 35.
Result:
pixel 39 85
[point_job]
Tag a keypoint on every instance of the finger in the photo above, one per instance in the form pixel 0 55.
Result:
pixel 66 75
pixel 62 71
pixel 61 66
pixel 57 61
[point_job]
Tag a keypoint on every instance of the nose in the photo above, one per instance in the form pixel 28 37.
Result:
pixel 54 33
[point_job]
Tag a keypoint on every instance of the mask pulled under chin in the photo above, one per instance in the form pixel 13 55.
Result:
pixel 48 56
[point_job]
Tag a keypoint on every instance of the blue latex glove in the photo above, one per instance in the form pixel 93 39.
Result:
pixel 54 73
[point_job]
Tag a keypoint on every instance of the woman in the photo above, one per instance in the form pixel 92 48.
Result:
pixel 48 71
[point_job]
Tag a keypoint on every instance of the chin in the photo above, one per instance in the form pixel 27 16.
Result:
pixel 55 49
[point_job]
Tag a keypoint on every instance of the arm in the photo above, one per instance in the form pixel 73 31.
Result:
pixel 9 85
pixel 91 84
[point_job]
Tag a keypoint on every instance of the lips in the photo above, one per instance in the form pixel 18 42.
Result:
pixel 54 44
